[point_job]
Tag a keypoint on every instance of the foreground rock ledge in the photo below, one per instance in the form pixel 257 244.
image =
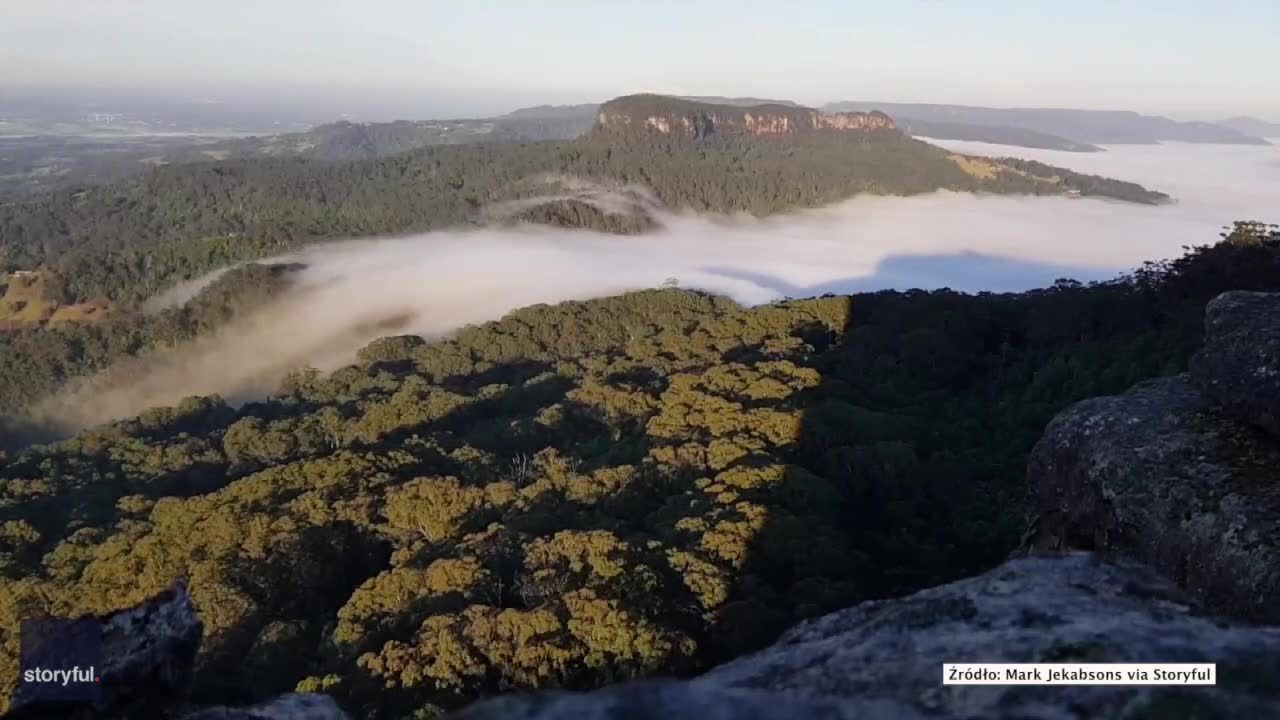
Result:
pixel 1182 473
pixel 884 659
pixel 1239 366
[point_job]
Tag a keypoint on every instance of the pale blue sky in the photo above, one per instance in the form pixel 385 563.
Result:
pixel 1190 59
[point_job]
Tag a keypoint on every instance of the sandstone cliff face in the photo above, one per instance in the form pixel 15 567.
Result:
pixel 1181 472
pixel 884 659
pixel 681 118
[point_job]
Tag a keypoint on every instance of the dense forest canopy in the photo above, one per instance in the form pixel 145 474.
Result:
pixel 589 491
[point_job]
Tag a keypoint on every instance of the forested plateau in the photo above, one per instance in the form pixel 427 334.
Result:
pixel 126 241
pixel 590 491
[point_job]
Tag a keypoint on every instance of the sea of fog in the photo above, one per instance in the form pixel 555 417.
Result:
pixel 430 284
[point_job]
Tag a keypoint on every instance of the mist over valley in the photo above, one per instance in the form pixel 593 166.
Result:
pixel 354 291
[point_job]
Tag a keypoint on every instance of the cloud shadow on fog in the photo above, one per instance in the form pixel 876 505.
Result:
pixel 963 271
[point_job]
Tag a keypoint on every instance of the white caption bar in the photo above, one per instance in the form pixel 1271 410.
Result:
pixel 1079 674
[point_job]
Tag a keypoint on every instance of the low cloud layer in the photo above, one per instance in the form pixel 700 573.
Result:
pixel 431 284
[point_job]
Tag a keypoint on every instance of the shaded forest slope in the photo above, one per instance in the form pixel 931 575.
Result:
pixel 589 491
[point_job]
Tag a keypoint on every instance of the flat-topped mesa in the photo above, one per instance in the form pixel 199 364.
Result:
pixel 685 118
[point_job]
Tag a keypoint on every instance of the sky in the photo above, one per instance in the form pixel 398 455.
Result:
pixel 1185 58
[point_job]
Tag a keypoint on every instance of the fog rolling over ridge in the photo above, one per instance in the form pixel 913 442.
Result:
pixel 352 292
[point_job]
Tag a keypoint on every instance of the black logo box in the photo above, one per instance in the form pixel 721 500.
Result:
pixel 60 660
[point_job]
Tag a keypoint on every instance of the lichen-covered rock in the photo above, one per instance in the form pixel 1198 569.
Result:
pixel 1182 473
pixel 1239 366
pixel 293 706
pixel 1158 474
pixel 884 659
pixel 151 646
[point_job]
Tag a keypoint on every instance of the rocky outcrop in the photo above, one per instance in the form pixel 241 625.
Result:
pixel 1176 472
pixel 151 645
pixel 1239 367
pixel 694 120
pixel 884 659
pixel 148 652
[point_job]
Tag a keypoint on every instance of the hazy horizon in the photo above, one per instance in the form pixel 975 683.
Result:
pixel 362 104
pixel 421 60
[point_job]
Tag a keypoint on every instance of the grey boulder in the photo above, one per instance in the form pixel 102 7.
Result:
pixel 884 659
pixel 1239 366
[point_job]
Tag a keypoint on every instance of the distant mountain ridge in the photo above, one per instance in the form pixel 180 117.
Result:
pixel 1100 127
pixel 553 111
pixel 345 140
pixel 1252 126
pixel 32 166
pixel 994 134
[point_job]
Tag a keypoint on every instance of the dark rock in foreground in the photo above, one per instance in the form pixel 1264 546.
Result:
pixel 1239 366
pixel 1159 475
pixel 148 652
pixel 884 659
pixel 1176 472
